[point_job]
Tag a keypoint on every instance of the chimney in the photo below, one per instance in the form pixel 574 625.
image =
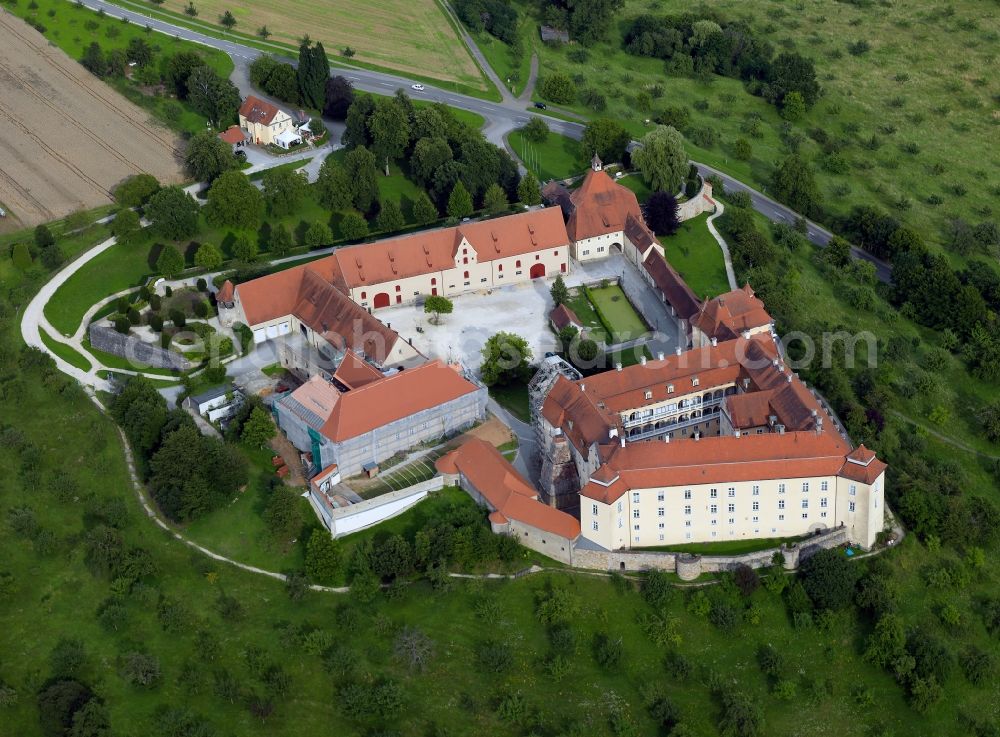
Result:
pixel 677 350
pixel 583 387
pixel 788 378
pixel 715 342
pixel 746 335
pixel 697 436
pixel 666 438
pixel 781 429
pixel 659 356
pixel 618 367
pixel 814 413
pixel 746 384
pixel 622 440
pixel 774 362
pixel 642 361
pixel 737 433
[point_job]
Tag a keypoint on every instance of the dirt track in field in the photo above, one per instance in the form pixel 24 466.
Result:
pixel 66 138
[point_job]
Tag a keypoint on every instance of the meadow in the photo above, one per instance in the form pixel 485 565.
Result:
pixel 696 256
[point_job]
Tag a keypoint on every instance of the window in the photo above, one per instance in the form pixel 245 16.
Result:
pixel 781 518
pixel 364 295
pixel 517 273
pixel 756 519
pixel 635 514
pixel 805 504
pixel 661 512
pixel 822 514
pixel 649 394
pixel 465 260
pixel 562 268
pixel 482 280
pixel 620 523
pixel 661 525
pixel 518 263
pixel 687 523
pixel 687 536
pixel 433 281
pixel 805 486
pixel 732 492
pixel 687 494
pixel 636 528
pixel 713 493
pixel 537 257
pixel 714 509
pixel 687 509
pixel 635 497
pixel 732 520
pixel 465 275
pixel 586 252
pixel 661 538
pixel 850 507
pixel 499 267
pixel 694 381
pixel 465 251
pixel 756 506
pixel 822 503
pixel 600 249
pixel 715 521
pixel 781 488
pixel 824 486
pixel 555 253
pixel 756 490
pixel 593 508
pixel 854 489
pixel 595 525
pixel 619 506
pixel 659 496
pixel 805 515
pixel 715 534
pixel 732 508
pixel 781 504
pixel 670 388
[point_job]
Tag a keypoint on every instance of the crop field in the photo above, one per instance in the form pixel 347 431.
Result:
pixel 68 138
pixel 413 37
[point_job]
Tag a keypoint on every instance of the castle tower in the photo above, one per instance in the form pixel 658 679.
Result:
pixel 595 163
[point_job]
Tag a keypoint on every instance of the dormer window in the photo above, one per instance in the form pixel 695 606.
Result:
pixel 694 381
pixel 670 388
pixel 649 394
pixel 465 251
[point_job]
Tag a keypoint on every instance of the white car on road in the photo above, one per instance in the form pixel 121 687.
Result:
pixel 417 87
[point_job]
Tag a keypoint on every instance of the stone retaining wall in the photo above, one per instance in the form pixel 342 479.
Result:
pixel 701 202
pixel 139 352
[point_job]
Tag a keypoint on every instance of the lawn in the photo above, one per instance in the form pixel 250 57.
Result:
pixel 514 399
pixel 65 352
pixel 697 257
pixel 558 157
pixel 510 67
pixel 582 308
pixel 617 313
pixel 72 27
pixel 416 39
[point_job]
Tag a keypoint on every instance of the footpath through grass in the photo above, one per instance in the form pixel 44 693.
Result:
pixel 65 352
pixel 697 257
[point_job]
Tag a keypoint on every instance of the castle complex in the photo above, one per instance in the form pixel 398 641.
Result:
pixel 717 441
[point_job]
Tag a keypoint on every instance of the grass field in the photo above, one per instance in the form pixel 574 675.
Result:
pixel 622 319
pixel 926 90
pixel 696 256
pixel 513 398
pixel 559 157
pixel 585 311
pixel 65 352
pixel 413 38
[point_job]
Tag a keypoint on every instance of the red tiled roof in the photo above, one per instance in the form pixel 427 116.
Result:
pixel 676 291
pixel 225 293
pixel 232 134
pixel 256 110
pixel 394 397
pixel 862 465
pixel 562 316
pixel 354 372
pixel 729 314
pixel 600 206
pixel 507 493
pixel 651 464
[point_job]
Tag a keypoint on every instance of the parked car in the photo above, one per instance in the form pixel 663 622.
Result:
pixel 540 105
pixel 417 87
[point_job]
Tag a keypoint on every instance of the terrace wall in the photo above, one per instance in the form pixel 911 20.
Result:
pixel 139 352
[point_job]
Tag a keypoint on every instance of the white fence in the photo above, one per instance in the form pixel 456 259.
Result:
pixel 360 516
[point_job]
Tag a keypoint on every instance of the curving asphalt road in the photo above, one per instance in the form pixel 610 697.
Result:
pixel 502 117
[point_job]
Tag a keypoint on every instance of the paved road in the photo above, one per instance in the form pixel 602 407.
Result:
pixel 502 117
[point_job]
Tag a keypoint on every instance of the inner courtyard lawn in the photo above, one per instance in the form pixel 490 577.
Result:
pixel 582 308
pixel 619 314
pixel 697 257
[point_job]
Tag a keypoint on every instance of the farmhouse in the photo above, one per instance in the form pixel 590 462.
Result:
pixel 267 124
pixel 351 427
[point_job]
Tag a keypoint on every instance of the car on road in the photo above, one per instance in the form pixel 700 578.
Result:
pixel 417 87
pixel 540 105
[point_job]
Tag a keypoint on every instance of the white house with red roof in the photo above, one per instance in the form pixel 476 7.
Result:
pixel 266 124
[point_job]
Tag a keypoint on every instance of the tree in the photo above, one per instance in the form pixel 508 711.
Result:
pixel 354 227
pixel 459 202
pixel 283 83
pixel 140 669
pixel 323 557
pixel 283 515
pixel 117 63
pixel 437 305
pixel 208 257
pixel 535 130
pixel 607 138
pixel 424 211
pixel 179 68
pixel 506 359
pixel 742 149
pixel 170 262
pixel 356 123
pixel 413 648
pixel 837 252
pixel 207 156
pixel 791 72
pixel 233 201
pixel 528 190
pixel 360 165
pixel 93 60
pixel 318 234
pixel 245 248
pixel 43 236
pixel 126 227
pixel 559 291
pixel 284 190
pixel 263 33
pixel 661 213
pixel 338 96
pixel 334 185
pixel 392 558
pixel 136 190
pixel 261 68
pixel 495 200
pixel 390 130
pixel 258 429
pixel 228 20
pixel 313 71
pixel 281 240
pixel 428 155
pixel 793 106
pixel 793 184
pixel 989 416
pixel 661 158
pixel 212 96
pixel 138 51
pixel 586 350
pixel 828 579
pixel 741 716
pixel 58 703
pixel 390 217
pixel 887 642
pixel 558 88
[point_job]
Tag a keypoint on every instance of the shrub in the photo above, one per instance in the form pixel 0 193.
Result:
pixel 156 322
pixel 201 308
pixel 201 285
pixel 122 324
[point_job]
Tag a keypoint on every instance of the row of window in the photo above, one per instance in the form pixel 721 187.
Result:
pixel 731 491
pixel 732 522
